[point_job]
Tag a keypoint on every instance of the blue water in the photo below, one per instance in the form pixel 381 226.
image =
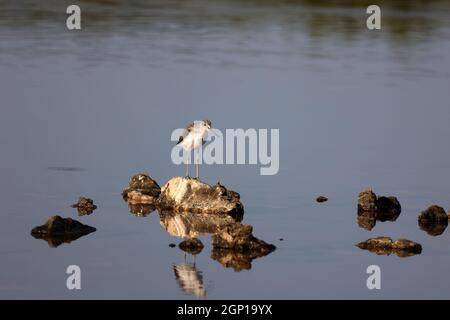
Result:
pixel 355 109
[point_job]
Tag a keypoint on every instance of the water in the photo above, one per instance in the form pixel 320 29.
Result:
pixel 83 111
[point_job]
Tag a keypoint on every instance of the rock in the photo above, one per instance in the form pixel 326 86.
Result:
pixel 239 237
pixel 135 197
pixel 367 201
pixel 191 195
pixel 59 230
pixel 388 208
pixel 141 189
pixel 192 225
pixel 378 243
pixel 321 199
pixel 193 246
pixel 172 245
pixel 385 246
pixel 141 209
pixel 85 206
pixel 435 214
pixel 407 245
pixel 235 247
pixel 433 220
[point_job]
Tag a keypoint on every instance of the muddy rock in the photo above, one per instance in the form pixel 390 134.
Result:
pixel 321 199
pixel 239 237
pixel 193 246
pixel 388 208
pixel 386 246
pixel 191 195
pixel 59 230
pixel 141 189
pixel 85 206
pixel 435 214
pixel 367 201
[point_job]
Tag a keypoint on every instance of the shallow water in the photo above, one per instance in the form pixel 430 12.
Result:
pixel 83 111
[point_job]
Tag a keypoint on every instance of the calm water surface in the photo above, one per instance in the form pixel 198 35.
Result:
pixel 83 111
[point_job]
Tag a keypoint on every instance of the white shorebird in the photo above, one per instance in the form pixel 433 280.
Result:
pixel 193 138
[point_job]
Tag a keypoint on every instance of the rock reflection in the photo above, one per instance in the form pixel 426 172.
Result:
pixel 141 209
pixel 433 228
pixel 55 241
pixel 192 225
pixel 236 260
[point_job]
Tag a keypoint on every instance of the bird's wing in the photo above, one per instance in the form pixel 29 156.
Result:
pixel 186 131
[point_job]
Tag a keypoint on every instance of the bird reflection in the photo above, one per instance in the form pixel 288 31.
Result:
pixel 189 278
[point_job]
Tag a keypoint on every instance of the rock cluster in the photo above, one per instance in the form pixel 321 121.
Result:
pixel 372 208
pixel 189 208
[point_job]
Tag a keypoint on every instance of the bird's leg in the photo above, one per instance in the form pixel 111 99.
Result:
pixel 187 165
pixel 196 166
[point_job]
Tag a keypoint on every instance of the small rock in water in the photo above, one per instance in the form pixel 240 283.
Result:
pixel 239 237
pixel 191 195
pixel 367 201
pixel 141 189
pixel 434 213
pixel 192 246
pixel 172 245
pixel 85 206
pixel 388 208
pixel 433 220
pixel 386 246
pixel 321 199
pixel 59 230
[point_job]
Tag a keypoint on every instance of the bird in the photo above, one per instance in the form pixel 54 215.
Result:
pixel 193 137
